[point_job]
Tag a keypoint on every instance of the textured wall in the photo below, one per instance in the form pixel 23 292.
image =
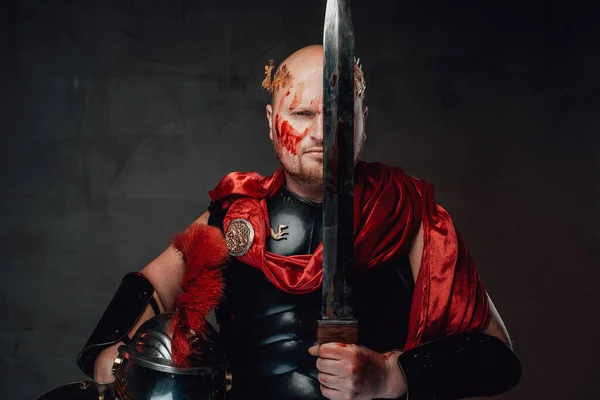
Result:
pixel 118 117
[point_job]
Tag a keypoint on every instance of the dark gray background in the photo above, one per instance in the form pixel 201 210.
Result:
pixel 119 116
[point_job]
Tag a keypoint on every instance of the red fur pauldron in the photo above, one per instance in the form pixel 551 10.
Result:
pixel 204 250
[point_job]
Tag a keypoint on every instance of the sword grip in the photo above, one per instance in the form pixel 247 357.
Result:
pixel 329 331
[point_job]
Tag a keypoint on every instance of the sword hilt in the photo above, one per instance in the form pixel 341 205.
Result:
pixel 337 331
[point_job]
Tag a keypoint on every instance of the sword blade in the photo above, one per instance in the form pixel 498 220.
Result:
pixel 338 163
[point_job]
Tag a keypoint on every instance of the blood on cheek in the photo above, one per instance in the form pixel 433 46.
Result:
pixel 288 136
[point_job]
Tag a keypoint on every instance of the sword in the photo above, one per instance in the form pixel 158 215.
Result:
pixel 337 323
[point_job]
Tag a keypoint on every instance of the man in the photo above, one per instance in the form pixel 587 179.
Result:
pixel 455 347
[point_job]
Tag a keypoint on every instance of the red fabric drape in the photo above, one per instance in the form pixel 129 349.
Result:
pixel 449 295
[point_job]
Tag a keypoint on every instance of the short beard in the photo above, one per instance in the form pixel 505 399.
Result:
pixel 311 179
pixel 308 178
pixel 301 176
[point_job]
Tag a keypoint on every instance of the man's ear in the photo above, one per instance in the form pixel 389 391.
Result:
pixel 365 112
pixel 270 119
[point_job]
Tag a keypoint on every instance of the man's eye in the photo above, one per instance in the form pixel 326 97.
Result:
pixel 302 114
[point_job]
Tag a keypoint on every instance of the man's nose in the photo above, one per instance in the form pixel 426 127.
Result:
pixel 317 128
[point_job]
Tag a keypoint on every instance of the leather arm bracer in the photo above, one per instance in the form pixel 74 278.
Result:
pixel 127 305
pixel 458 367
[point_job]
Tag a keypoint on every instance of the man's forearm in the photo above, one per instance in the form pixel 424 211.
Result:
pixel 105 360
pixel 134 302
pixel 104 363
pixel 396 383
pixel 458 367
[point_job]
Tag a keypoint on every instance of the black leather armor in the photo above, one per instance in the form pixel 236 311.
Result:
pixel 303 220
pixel 460 366
pixel 127 305
pixel 267 332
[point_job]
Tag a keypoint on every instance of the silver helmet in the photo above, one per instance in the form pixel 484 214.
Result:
pixel 144 369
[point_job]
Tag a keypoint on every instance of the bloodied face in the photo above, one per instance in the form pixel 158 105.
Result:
pixel 296 119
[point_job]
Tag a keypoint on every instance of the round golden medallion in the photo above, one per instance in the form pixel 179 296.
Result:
pixel 239 237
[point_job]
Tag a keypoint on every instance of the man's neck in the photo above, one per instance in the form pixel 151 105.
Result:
pixel 312 192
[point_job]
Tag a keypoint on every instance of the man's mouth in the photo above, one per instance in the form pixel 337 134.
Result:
pixel 314 150
pixel 315 154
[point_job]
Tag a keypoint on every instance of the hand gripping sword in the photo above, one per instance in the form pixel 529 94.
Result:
pixel 337 323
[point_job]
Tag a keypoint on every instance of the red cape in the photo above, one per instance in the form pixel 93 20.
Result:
pixel 449 296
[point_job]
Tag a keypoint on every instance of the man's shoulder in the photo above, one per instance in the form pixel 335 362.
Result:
pixel 376 169
pixel 378 175
pixel 251 184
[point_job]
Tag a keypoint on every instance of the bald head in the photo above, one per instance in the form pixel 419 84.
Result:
pixel 302 65
pixel 305 57
pixel 307 63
